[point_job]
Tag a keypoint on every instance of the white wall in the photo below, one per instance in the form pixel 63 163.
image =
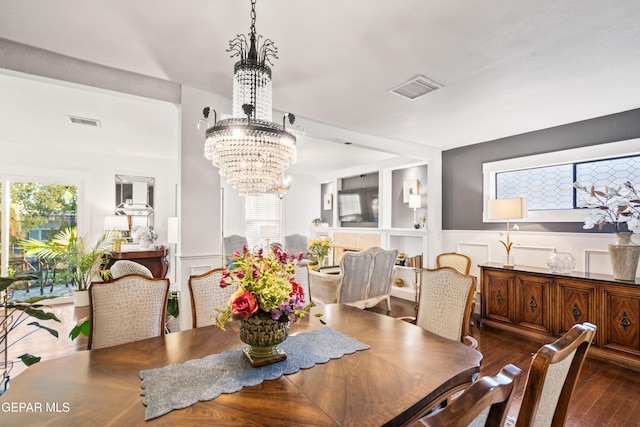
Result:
pixel 301 205
pixel 199 202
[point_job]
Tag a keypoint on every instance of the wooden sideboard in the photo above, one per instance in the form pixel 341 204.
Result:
pixel 154 260
pixel 541 305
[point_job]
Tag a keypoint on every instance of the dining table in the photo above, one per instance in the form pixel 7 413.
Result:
pixel 404 371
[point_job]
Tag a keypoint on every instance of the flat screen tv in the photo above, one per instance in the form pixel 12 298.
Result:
pixel 358 207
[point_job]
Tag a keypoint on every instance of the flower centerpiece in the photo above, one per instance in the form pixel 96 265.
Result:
pixel 267 299
pixel 320 249
pixel 618 207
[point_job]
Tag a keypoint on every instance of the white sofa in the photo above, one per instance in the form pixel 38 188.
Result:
pixel 363 281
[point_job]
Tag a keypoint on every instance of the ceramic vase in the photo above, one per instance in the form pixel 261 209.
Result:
pixel 624 257
pixel 263 336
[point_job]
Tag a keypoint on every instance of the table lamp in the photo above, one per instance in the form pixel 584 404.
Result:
pixel 507 209
pixel 117 224
pixel 415 202
pixel 267 232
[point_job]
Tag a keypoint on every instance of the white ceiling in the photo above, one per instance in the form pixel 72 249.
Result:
pixel 507 66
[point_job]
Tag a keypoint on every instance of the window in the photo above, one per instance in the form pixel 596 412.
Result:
pixel 546 180
pixel 260 211
pixel 36 210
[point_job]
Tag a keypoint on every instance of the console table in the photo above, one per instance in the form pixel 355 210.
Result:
pixel 541 305
pixel 154 259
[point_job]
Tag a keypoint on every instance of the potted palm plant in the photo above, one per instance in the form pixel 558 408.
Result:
pixel 76 255
pixel 12 315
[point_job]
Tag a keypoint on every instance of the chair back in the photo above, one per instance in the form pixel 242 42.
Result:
pixel 383 262
pixel 301 276
pixel 355 268
pixel 231 244
pixel 123 267
pixel 484 403
pixel 552 378
pixel 446 300
pixel 207 295
pixel 294 244
pixel 460 262
pixel 129 308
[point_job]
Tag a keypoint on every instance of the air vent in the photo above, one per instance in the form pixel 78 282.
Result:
pixel 416 87
pixel 84 121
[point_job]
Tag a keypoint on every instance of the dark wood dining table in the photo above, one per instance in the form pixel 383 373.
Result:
pixel 406 370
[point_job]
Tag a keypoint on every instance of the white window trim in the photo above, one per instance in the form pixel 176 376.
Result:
pixel 594 152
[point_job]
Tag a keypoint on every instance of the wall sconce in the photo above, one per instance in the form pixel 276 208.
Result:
pixel 507 209
pixel 415 202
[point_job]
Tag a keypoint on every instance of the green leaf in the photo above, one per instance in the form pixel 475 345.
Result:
pixel 51 331
pixel 82 328
pixel 29 359
pixel 33 311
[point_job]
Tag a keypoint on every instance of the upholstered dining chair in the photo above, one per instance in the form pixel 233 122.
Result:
pixel 123 267
pixel 446 300
pixel 460 262
pixel 484 403
pixel 206 296
pixel 129 308
pixel 294 244
pixel 552 378
pixel 380 280
pixel 231 244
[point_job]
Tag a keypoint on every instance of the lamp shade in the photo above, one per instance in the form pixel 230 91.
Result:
pixel 116 222
pixel 507 208
pixel 415 201
pixel 267 231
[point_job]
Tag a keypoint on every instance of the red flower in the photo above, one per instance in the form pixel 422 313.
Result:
pixel 297 290
pixel 244 305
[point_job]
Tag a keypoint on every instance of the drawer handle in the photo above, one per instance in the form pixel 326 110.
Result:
pixel 532 304
pixel 499 296
pixel 576 312
pixel 624 321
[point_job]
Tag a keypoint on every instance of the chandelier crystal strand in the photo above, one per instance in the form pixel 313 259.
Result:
pixel 252 152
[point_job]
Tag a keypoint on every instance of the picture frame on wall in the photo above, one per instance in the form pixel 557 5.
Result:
pixel 409 187
pixel 328 202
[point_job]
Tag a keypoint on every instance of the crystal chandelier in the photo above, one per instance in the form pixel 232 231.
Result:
pixel 250 150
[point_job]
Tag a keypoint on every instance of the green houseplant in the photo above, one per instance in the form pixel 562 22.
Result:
pixel 73 253
pixel 12 315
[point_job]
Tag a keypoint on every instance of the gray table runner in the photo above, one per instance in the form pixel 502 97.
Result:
pixel 180 386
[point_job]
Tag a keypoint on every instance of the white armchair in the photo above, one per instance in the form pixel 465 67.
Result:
pixel 364 279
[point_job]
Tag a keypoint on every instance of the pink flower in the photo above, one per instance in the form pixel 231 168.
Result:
pixel 244 305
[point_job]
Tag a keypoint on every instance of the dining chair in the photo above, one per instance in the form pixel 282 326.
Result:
pixel 380 280
pixel 460 262
pixel 123 267
pixel 301 276
pixel 231 244
pixel 446 300
pixel 484 403
pixel 207 296
pixel 552 378
pixel 129 308
pixel 294 244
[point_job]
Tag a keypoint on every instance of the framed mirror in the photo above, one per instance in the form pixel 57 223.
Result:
pixel 134 198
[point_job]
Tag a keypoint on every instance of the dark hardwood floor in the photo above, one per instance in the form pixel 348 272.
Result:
pixel 606 394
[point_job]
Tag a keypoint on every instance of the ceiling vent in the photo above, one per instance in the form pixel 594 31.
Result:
pixel 416 87
pixel 84 121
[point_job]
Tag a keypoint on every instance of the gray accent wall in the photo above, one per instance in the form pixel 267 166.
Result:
pixel 462 167
pixel 401 213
